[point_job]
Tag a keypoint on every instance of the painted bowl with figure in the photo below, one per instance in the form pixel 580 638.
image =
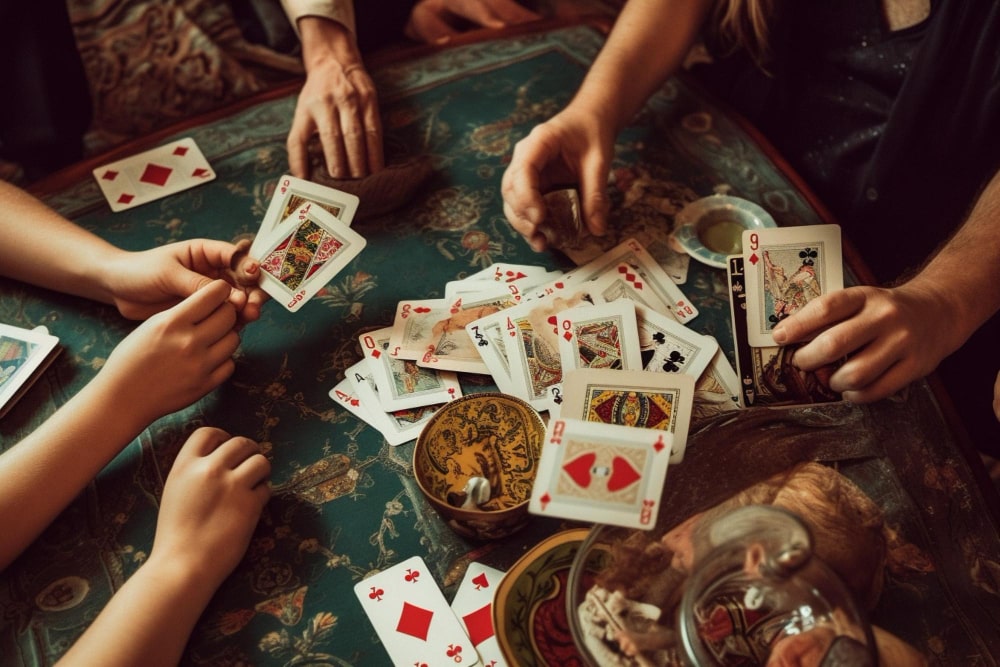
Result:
pixel 476 460
pixel 711 228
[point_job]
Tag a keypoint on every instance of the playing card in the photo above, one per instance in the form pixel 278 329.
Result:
pixel 401 383
pixel 647 269
pixel 603 335
pixel 563 220
pixel 624 282
pixel 638 399
pixel 786 268
pixel 670 347
pixel 523 274
pixel 601 473
pixel 432 331
pixel 412 617
pixel 24 355
pixel 767 375
pixel 153 174
pixel 488 339
pixel 473 605
pixel 306 252
pixel 717 390
pixel 291 194
pixel 396 427
pixel 531 340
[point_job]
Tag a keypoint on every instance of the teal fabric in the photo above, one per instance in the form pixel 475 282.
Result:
pixel 346 504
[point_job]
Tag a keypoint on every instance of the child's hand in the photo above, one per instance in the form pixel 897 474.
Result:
pixel 211 503
pixel 148 282
pixel 175 357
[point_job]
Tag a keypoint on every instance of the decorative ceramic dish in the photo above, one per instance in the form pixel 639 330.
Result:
pixel 711 228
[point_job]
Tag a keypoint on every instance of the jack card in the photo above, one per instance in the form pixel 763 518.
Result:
pixel 412 617
pixel 153 174
pixel 786 268
pixel 401 383
pixel 601 473
pixel 473 605
pixel 638 399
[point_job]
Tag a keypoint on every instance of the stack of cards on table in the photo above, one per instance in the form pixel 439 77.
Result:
pixel 779 272
pixel 24 356
pixel 415 623
pixel 305 239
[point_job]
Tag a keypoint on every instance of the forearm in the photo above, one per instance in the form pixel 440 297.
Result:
pixel 648 43
pixel 159 605
pixel 324 40
pixel 965 272
pixel 43 248
pixel 44 472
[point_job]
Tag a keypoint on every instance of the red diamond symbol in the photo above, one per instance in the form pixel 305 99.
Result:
pixel 568 336
pixel 754 259
pixel 376 354
pixel 659 445
pixel 125 198
pixel 545 499
pixel 156 174
pixel 181 150
pixel 110 175
pixel 201 172
pixel 414 621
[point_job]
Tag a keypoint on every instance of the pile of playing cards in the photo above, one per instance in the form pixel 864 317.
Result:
pixel 24 356
pixel 415 623
pixel 779 272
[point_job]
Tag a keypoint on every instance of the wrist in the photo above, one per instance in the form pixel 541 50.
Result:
pixel 180 577
pixel 325 41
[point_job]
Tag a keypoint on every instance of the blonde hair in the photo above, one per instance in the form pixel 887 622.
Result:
pixel 743 23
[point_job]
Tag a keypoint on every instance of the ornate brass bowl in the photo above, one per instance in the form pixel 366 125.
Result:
pixel 491 436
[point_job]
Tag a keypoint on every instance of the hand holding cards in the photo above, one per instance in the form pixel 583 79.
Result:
pixel 302 243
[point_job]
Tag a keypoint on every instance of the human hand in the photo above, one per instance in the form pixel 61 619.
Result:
pixel 148 282
pixel 338 102
pixel 569 148
pixel 175 357
pixel 890 336
pixel 211 503
pixel 434 21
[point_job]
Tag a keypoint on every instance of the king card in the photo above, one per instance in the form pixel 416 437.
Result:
pixel 153 174
pixel 786 268
pixel 639 399
pixel 306 252
pixel 412 617
pixel 601 473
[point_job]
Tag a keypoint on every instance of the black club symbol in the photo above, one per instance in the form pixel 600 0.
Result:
pixel 670 365
pixel 808 256
pixel 659 338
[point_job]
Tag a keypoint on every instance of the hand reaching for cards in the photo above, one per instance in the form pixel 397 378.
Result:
pixel 570 148
pixel 890 337
pixel 148 282
pixel 211 503
pixel 338 102
pixel 434 21
pixel 173 358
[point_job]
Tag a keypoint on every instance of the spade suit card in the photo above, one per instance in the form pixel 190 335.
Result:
pixel 786 268
pixel 601 473
pixel 153 174
pixel 412 617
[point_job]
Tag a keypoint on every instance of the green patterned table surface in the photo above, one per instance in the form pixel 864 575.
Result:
pixel 346 503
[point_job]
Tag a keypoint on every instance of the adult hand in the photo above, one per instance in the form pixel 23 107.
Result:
pixel 211 503
pixel 889 336
pixel 144 283
pixel 175 357
pixel 434 20
pixel 338 102
pixel 571 147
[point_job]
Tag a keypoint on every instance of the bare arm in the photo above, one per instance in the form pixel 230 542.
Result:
pixel 897 335
pixel 211 503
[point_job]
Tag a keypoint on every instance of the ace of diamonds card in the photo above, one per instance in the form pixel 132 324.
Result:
pixel 602 473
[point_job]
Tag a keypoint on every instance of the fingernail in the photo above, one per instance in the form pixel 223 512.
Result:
pixel 779 335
